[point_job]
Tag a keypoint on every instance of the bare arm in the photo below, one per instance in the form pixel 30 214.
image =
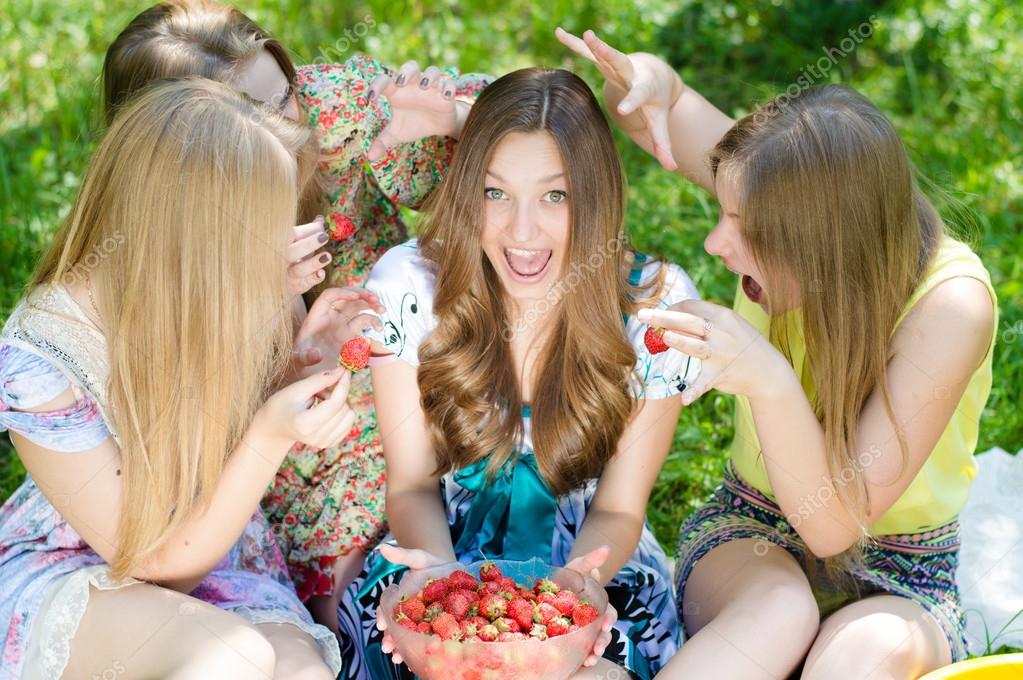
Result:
pixel 415 510
pixel 618 510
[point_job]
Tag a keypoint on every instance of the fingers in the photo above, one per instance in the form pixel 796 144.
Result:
pixel 408 73
pixel 574 43
pixel 688 345
pixel 309 268
pixel 447 87
pixel 618 61
pixel 309 356
pixel 430 76
pixel 381 84
pixel 677 321
pixel 306 388
pixel 333 296
pixel 657 125
pixel 702 385
pixel 303 230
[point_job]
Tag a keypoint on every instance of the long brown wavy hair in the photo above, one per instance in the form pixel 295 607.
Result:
pixel 829 202
pixel 470 390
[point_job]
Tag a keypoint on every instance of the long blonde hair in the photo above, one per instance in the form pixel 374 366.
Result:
pixel 829 202
pixel 199 186
pixel 469 386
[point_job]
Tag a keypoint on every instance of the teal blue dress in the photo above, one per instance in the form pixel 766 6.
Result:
pixel 517 517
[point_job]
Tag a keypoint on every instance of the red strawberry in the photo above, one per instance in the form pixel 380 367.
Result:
pixel 462 580
pixel 505 624
pixel 405 622
pixel 545 612
pixel 354 354
pixel 469 628
pixel 548 598
pixel 446 627
pixel 521 610
pixel 490 572
pixel 527 594
pixel 457 604
pixel 479 621
pixel 508 584
pixel 424 628
pixel 545 585
pixel 435 589
pixel 413 608
pixel 511 637
pixel 654 340
pixel 493 606
pixel 490 587
pixel 433 611
pixel 539 631
pixel 489 633
pixel 559 625
pixel 566 601
pixel 584 613
pixel 473 596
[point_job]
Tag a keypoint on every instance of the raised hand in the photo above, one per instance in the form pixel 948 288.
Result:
pixel 337 315
pixel 645 84
pixel 294 414
pixel 422 105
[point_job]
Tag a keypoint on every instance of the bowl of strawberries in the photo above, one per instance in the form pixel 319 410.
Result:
pixel 494 619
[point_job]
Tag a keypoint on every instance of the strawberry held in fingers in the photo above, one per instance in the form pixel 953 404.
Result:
pixel 654 340
pixel 354 354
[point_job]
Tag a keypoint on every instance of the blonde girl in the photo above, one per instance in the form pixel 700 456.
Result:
pixel 138 391
pixel 859 348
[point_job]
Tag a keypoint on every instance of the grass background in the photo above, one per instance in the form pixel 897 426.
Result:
pixel 947 72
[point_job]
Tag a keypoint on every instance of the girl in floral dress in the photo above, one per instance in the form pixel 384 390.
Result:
pixel 327 505
pixel 148 427
pixel 526 416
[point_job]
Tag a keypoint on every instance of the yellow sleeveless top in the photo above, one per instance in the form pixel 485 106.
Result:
pixel 939 491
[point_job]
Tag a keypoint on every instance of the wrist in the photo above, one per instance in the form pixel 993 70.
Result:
pixel 265 440
pixel 777 380
pixel 461 114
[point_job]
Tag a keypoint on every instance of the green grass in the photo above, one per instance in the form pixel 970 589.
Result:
pixel 948 74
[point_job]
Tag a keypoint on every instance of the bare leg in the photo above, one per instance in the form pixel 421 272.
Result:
pixel 750 613
pixel 144 631
pixel 602 670
pixel 298 655
pixel 324 607
pixel 878 638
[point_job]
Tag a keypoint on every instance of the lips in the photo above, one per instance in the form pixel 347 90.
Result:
pixel 754 291
pixel 527 264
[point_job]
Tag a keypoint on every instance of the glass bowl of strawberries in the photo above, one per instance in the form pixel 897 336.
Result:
pixel 494 619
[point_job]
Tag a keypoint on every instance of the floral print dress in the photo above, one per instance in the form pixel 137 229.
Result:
pixel 326 503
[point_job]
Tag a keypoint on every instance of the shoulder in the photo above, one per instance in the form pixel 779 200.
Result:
pixel 956 317
pixel 27 380
pixel 404 281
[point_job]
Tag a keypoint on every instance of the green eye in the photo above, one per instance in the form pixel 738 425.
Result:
pixel 493 194
pixel 555 197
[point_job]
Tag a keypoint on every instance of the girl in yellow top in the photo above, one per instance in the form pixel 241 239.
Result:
pixel 859 349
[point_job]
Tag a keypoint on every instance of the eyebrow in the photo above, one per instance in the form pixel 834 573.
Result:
pixel 542 180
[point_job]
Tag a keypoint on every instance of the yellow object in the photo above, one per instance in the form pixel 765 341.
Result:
pixel 939 491
pixel 1005 666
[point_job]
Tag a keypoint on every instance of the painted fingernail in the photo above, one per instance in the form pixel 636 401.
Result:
pixel 400 80
pixel 372 95
pixel 424 82
pixel 322 238
pixel 325 258
pixel 448 94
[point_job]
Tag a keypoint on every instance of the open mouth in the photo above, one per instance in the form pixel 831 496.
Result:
pixel 527 266
pixel 754 291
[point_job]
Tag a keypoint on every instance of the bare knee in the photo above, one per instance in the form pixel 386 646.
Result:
pixel 784 602
pixel 231 649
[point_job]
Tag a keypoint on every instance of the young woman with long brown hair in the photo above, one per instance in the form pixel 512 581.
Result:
pixel 385 138
pixel 523 415
pixel 860 350
pixel 138 381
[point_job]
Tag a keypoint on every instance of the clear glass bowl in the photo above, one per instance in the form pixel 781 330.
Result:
pixel 556 658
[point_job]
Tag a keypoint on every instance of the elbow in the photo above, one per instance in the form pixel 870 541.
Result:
pixel 827 546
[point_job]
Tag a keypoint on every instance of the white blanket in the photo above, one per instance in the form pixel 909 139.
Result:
pixel 991 562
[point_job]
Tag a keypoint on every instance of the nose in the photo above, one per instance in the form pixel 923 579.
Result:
pixel 716 242
pixel 523 226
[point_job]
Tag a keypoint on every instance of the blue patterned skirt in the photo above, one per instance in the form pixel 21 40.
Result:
pixel 920 567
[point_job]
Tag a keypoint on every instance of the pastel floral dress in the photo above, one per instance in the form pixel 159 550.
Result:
pixel 46 568
pixel 326 503
pixel 516 516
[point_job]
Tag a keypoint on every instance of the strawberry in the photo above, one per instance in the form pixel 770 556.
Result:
pixel 545 585
pixel 435 589
pixel 493 606
pixel 559 625
pixel 545 612
pixel 539 631
pixel 424 628
pixel 521 610
pixel 405 622
pixel 462 580
pixel 490 572
pixel 565 601
pixel 654 340
pixel 468 628
pixel 490 587
pixel 354 354
pixel 527 594
pixel 413 608
pixel 584 613
pixel 473 596
pixel 457 604
pixel 548 598
pixel 489 633
pixel 479 621
pixel 504 624
pixel 508 584
pixel 511 637
pixel 446 627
